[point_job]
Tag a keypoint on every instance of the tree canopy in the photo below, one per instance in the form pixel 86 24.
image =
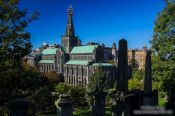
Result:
pixel 16 80
pixel 98 81
pixel 163 47
pixel 14 39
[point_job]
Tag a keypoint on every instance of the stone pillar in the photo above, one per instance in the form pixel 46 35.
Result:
pixel 64 105
pixel 122 79
pixel 148 94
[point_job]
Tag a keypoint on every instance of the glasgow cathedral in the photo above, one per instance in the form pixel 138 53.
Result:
pixel 78 62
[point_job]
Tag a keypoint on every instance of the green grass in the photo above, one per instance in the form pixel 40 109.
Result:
pixel 82 111
pixel 86 111
pixel 108 111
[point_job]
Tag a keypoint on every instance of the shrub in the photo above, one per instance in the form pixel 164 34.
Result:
pixel 78 93
pixel 62 88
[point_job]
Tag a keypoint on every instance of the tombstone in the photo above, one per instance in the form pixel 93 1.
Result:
pixel 169 104
pixel 21 107
pixel 121 104
pixel 100 104
pixel 148 98
pixel 64 105
pixel 122 79
pixel 155 94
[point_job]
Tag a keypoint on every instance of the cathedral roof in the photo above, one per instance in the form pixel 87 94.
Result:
pixel 49 51
pixel 46 61
pixel 83 49
pixel 77 62
pixel 102 64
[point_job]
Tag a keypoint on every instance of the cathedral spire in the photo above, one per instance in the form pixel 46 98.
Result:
pixel 69 27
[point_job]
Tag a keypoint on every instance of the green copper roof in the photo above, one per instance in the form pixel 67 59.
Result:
pixel 83 49
pixel 102 64
pixel 49 51
pixel 77 62
pixel 46 61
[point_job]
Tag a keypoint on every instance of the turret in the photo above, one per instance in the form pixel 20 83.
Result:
pixel 114 52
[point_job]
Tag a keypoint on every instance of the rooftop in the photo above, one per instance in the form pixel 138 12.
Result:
pixel 77 62
pixel 102 64
pixel 46 61
pixel 49 51
pixel 83 49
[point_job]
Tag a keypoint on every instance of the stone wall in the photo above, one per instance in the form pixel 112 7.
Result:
pixel 77 74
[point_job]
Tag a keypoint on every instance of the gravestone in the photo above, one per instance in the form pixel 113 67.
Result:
pixel 21 107
pixel 64 105
pixel 148 98
pixel 122 78
pixel 100 104
pixel 120 105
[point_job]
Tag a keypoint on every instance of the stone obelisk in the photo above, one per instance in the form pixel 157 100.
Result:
pixel 122 81
pixel 148 94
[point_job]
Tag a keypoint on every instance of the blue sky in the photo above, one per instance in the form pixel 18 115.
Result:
pixel 103 21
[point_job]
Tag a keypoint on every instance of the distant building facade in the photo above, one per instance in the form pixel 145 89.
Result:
pixel 137 58
pixel 78 62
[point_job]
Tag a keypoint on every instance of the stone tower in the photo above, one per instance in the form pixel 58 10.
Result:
pixel 69 40
pixel 114 52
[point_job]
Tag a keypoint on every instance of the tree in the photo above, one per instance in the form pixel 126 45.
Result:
pixel 78 93
pixel 163 47
pixel 14 39
pixel 62 88
pixel 98 81
pixel 16 81
pixel 136 82
pixel 54 78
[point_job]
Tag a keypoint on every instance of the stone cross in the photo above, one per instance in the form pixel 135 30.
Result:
pixel 122 81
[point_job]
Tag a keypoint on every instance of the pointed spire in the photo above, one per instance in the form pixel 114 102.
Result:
pixel 69 27
pixel 114 45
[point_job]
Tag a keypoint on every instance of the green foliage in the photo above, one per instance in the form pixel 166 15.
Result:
pixel 54 78
pixel 78 93
pixel 98 82
pixel 82 111
pixel 86 111
pixel 136 82
pixel 62 88
pixel 14 39
pixel 43 100
pixel 15 81
pixel 138 74
pixel 20 83
pixel 163 47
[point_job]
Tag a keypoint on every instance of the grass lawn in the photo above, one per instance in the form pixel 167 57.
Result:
pixel 86 111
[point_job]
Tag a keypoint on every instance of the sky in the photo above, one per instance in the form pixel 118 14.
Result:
pixel 102 21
